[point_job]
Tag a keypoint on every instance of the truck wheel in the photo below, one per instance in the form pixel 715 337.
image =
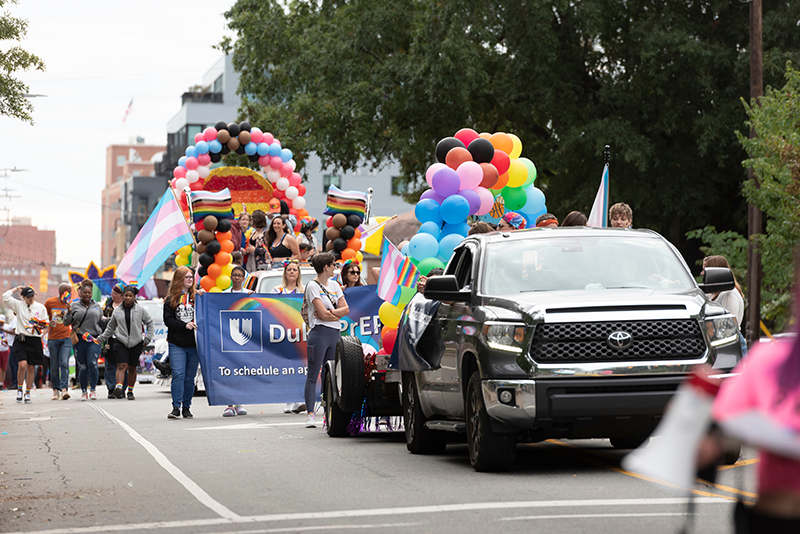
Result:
pixel 350 373
pixel 337 418
pixel 419 440
pixel 732 456
pixel 629 443
pixel 488 451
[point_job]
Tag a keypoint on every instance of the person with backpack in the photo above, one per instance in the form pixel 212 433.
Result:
pixel 324 306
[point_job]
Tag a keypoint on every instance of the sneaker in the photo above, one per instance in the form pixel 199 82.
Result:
pixel 93 395
pixel 119 393
pixel 65 395
pixel 84 396
pixel 174 414
pixel 186 413
pixel 298 407
pixel 287 408
pixel 240 410
pixel 310 421
pixel 56 395
pixel 19 395
pixel 229 412
pixel 28 398
pixel 130 396
pixel 111 394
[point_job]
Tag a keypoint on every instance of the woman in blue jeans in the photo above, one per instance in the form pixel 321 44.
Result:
pixel 86 317
pixel 181 326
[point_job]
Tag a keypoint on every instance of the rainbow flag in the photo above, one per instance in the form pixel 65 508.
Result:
pixel 391 261
pixel 346 202
pixel 205 203
pixel 407 274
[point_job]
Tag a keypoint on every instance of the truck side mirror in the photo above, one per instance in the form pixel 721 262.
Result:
pixel 717 280
pixel 445 288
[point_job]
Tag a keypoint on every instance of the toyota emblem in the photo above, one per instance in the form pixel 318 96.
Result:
pixel 620 340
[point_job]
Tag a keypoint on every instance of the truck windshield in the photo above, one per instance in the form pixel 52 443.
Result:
pixel 582 263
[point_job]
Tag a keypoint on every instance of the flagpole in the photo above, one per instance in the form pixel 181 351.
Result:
pixel 606 159
pixel 369 204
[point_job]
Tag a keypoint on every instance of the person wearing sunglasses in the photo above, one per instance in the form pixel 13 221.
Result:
pixel 350 275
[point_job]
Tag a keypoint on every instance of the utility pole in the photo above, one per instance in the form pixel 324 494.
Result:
pixel 754 222
pixel 5 194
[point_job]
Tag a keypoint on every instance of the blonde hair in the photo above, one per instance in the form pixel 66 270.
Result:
pixel 285 282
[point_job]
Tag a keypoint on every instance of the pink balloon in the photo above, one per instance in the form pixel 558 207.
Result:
pixel 466 135
pixel 256 135
pixel 487 200
pixel 264 160
pixel 268 138
pixel 179 172
pixel 276 163
pixel 295 179
pixel 192 163
pixel 210 133
pixel 199 136
pixel 471 174
pixel 286 170
pixel 203 159
pixel 172 182
pixel 431 171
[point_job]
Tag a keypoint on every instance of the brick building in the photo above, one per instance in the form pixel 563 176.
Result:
pixel 24 252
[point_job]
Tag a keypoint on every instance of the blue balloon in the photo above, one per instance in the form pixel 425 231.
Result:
pixel 182 161
pixel 446 246
pixel 423 246
pixel 286 155
pixel 191 152
pixel 250 148
pixel 431 228
pixel 263 149
pixel 274 149
pixel 404 249
pixel 535 201
pixel 459 228
pixel 455 209
pixel 215 147
pixel 428 210
pixel 201 147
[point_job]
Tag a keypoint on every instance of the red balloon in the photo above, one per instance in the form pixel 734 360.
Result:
pixel 457 156
pixel 501 161
pixel 295 179
pixel 490 175
pixel 278 194
pixel 301 190
pixel 199 226
pixel 466 135
pixel 293 211
pixel 196 186
pixel 388 337
pixel 329 222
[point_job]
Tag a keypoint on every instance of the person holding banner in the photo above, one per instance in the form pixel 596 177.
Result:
pixel 238 275
pixel 292 283
pixel 326 306
pixel 183 358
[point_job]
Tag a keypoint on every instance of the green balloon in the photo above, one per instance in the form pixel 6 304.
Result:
pixel 427 264
pixel 531 172
pixel 515 197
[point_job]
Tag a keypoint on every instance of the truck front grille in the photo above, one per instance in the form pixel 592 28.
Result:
pixel 675 339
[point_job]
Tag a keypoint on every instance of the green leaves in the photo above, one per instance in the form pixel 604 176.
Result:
pixel 13 101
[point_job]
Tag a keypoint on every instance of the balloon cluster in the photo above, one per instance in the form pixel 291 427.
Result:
pixel 184 256
pixel 344 236
pixel 215 247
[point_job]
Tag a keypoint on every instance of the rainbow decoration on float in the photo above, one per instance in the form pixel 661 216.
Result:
pixel 347 202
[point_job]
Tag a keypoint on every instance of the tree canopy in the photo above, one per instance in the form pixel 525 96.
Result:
pixel 13 100
pixel 658 80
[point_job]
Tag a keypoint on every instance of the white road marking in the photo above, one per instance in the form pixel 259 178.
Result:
pixel 372 512
pixel 190 485
pixel 583 516
pixel 322 527
pixel 245 426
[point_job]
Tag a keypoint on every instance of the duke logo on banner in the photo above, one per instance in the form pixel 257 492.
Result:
pixel 241 330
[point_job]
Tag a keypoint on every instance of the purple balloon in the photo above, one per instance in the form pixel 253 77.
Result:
pixel 433 195
pixel 446 182
pixel 473 198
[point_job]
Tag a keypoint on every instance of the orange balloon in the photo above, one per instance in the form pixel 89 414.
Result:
pixel 214 270
pixel 222 258
pixel 207 283
pixel 484 135
pixel 456 157
pixel 354 243
pixel 224 236
pixel 227 246
pixel 502 181
pixel 501 141
pixel 348 254
pixel 358 234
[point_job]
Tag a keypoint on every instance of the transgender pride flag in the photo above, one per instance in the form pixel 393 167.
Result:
pixel 598 217
pixel 164 232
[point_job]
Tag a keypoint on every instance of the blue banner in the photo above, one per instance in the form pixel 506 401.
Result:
pixel 252 348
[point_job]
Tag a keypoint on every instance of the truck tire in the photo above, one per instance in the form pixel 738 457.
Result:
pixel 732 456
pixel 488 451
pixel 629 443
pixel 419 440
pixel 337 418
pixel 349 378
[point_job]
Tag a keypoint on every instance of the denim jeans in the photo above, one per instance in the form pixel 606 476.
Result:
pixel 59 362
pixel 184 362
pixel 12 369
pixel 86 354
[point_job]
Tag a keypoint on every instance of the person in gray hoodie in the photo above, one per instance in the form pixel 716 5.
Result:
pixel 134 329
pixel 87 321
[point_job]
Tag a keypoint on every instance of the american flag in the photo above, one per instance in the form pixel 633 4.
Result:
pixel 127 111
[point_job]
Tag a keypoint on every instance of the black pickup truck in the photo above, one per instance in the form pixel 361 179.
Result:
pixel 556 333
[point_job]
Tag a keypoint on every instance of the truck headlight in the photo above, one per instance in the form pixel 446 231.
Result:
pixel 722 330
pixel 507 337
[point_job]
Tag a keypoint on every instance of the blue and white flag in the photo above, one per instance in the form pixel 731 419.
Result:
pixel 598 217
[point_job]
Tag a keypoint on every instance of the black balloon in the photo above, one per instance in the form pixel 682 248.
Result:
pixel 225 149
pixel 233 128
pixel 216 158
pixel 347 232
pixel 339 244
pixel 244 126
pixel 221 125
pixel 481 149
pixel 224 225
pixel 254 157
pixel 446 145
pixel 202 271
pixel 353 220
pixel 213 247
pixel 240 150
pixel 206 259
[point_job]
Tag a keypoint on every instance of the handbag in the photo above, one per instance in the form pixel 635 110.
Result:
pixel 74 335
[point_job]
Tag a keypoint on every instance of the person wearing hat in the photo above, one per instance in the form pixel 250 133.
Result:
pixel 511 221
pixel 5 350
pixel 110 368
pixel 31 322
pixel 548 219
pixel 86 317
pixel 127 324
pixel 58 342
pixel 308 225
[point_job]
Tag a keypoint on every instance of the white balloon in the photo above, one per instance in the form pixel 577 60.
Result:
pixel 293 163
pixel 181 183
pixel 204 171
pixel 273 176
pixel 192 176
pixel 299 203
pixel 282 183
pixel 292 192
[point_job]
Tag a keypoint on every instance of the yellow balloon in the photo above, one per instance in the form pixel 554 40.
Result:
pixel 517 150
pixel 181 260
pixel 185 251
pixel 223 281
pixel 227 269
pixel 359 257
pixel 517 173
pixel 389 315
pixel 215 289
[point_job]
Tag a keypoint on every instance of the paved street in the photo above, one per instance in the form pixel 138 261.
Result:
pixel 117 465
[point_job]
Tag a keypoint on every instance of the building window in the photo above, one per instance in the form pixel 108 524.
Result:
pixel 136 174
pixel 119 178
pixel 399 187
pixel 217 86
pixel 329 180
pixel 120 161
pixel 192 130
